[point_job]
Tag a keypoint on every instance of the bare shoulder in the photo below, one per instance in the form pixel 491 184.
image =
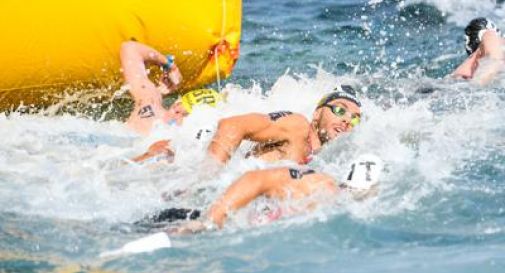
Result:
pixel 313 181
pixel 295 122
pixel 319 178
pixel 296 117
pixel 324 182
pixel 249 117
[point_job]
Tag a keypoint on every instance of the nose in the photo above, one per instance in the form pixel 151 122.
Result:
pixel 346 123
pixel 347 118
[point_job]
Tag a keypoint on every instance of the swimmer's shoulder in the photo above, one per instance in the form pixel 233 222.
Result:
pixel 283 116
pixel 312 178
pixel 308 174
pixel 292 121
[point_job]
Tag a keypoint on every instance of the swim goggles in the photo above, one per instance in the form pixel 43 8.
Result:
pixel 341 111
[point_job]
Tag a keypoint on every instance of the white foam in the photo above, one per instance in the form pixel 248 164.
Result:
pixel 145 244
pixel 461 12
pixel 71 168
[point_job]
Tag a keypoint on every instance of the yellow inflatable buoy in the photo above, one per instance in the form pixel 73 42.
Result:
pixel 50 46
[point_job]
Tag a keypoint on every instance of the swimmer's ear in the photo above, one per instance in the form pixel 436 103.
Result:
pixel 316 116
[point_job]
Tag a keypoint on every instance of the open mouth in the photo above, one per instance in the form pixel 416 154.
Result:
pixel 338 130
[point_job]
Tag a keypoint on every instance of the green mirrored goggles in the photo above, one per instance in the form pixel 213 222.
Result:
pixel 341 111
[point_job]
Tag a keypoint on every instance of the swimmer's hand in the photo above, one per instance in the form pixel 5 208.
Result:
pixel 190 227
pixel 170 80
pixel 159 148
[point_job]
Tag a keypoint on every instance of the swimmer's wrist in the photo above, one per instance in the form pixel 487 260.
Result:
pixel 170 62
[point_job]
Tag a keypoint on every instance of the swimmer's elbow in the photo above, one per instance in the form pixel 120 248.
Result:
pixel 258 182
pixel 255 179
pixel 230 128
pixel 462 73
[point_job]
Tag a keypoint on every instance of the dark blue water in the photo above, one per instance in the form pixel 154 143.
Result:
pixel 65 198
pixel 344 37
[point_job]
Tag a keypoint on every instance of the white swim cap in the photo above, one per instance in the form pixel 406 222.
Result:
pixel 365 172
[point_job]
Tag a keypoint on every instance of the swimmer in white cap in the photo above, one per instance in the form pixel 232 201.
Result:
pixel 279 184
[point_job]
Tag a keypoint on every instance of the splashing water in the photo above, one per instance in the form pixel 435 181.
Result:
pixel 67 193
pixel 460 11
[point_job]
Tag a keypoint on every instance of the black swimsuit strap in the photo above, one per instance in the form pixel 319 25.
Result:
pixel 277 115
pixel 298 174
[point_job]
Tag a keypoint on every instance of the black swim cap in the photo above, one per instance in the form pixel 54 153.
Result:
pixel 341 92
pixel 474 32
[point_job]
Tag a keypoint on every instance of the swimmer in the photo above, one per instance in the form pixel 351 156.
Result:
pixel 483 42
pixel 286 135
pixel 148 95
pixel 183 106
pixel 279 184
pixel 282 135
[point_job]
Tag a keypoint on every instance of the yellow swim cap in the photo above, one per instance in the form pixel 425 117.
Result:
pixel 200 96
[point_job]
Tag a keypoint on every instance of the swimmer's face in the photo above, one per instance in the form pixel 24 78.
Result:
pixel 176 113
pixel 330 125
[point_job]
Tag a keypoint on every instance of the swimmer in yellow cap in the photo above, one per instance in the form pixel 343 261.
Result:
pixel 281 135
pixel 135 57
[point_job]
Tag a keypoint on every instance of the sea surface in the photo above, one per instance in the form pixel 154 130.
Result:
pixel 68 192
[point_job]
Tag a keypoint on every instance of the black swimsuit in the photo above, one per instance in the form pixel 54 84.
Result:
pixel 170 215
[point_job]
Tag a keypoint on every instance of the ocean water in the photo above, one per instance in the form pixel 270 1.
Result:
pixel 67 193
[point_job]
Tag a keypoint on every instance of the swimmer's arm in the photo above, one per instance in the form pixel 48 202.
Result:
pixel 231 131
pixel 148 102
pixel 492 45
pixel 492 48
pixel 272 183
pixel 134 57
pixel 157 148
pixel 467 68
pixel 298 132
pixel 246 189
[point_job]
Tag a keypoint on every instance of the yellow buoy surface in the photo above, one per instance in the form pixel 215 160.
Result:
pixel 49 46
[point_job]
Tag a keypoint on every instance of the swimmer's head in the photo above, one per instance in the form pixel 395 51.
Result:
pixel 337 113
pixel 198 97
pixel 340 92
pixel 474 32
pixel 182 107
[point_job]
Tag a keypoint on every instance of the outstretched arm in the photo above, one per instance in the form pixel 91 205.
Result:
pixel 275 183
pixel 467 68
pixel 158 148
pixel 244 190
pixel 231 131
